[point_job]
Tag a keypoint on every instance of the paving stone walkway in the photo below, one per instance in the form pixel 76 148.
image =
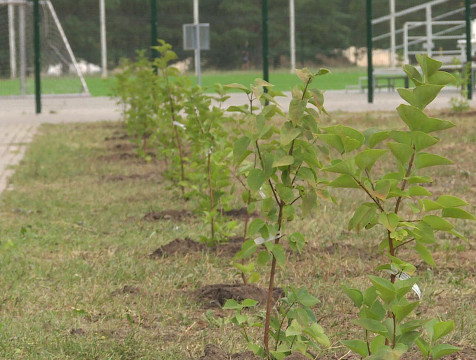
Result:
pixel 18 121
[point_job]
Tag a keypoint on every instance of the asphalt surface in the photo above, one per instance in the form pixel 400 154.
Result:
pixel 19 123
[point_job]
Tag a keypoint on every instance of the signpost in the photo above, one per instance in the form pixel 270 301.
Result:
pixel 196 37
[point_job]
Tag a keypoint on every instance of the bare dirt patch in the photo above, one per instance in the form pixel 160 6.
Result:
pixel 213 352
pixel 174 215
pixel 216 295
pixel 188 246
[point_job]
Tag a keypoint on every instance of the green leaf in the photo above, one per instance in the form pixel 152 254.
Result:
pixel 377 138
pixel 255 226
pixel 322 71
pixel 370 295
pixel 240 148
pixel 357 346
pixel 441 329
pixel 249 303
pixel 242 109
pixel 441 350
pixel 295 329
pixel 422 140
pixel 247 249
pixel 255 179
pixel 441 78
pixel 457 214
pixel 306 299
pixel 263 258
pixel 424 160
pixel 377 344
pixel 285 160
pixel 232 304
pixel 333 141
pixel 317 333
pixel 437 223
pixel 402 311
pixel 318 97
pixel 390 220
pixel 296 109
pixel 371 325
pixel 431 205
pixel 423 346
pixel 418 191
pixel 417 120
pixel 428 65
pixel 425 94
pixel 279 255
pixel 285 193
pixel 385 288
pixel 344 181
pixel 451 201
pixel 425 254
pixel 289 134
pixel 362 216
pixel 304 74
pixel 345 131
pixel 402 152
pixel 238 86
pixel 367 158
pixel 261 82
pixel 306 173
pixel 412 73
pixel 354 294
pixel 342 167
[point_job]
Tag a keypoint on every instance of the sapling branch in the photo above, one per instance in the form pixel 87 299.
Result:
pixel 177 134
pixel 210 189
pixel 269 180
pixel 296 199
pixel 375 200
pixel 370 179
pixel 285 315
pixel 269 300
pixel 368 342
pixel 405 181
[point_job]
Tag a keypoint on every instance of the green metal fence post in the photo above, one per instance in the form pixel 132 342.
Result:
pixel 469 60
pixel 370 70
pixel 153 28
pixel 36 25
pixel 264 13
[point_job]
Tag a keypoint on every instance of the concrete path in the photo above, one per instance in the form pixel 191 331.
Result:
pixel 18 121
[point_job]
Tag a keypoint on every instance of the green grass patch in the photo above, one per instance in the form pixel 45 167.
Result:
pixel 78 282
pixel 337 80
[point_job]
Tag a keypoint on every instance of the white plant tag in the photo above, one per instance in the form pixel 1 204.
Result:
pixel 260 240
pixel 262 194
pixel 404 276
pixel 179 124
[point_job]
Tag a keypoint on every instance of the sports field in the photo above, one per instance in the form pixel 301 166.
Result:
pixel 284 80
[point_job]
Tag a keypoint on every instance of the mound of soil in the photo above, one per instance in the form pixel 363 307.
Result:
pixel 188 246
pixel 178 247
pixel 177 215
pixel 216 295
pixel 239 213
pixel 127 289
pixel 116 136
pixel 213 352
pixel 117 157
pixel 114 178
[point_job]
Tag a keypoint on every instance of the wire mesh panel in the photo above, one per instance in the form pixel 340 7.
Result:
pixel 60 71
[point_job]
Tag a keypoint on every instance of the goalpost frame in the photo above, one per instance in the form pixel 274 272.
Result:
pixel 22 4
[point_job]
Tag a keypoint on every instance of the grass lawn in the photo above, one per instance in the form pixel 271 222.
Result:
pixel 337 80
pixel 78 282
